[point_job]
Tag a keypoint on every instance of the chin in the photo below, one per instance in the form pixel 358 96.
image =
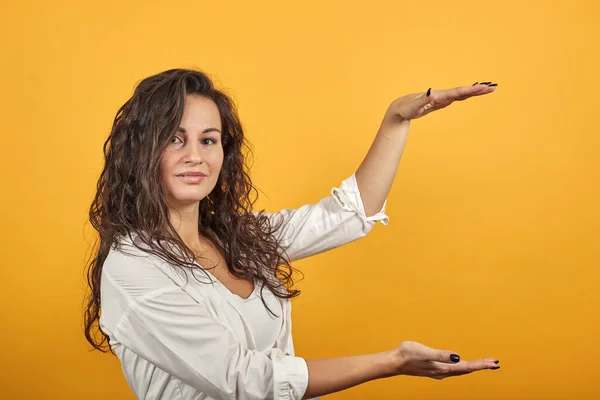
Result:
pixel 184 199
pixel 188 199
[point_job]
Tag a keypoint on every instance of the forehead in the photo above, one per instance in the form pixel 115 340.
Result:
pixel 200 110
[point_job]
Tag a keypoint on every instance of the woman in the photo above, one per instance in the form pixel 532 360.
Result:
pixel 194 286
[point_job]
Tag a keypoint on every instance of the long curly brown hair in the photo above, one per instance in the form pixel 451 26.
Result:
pixel 130 199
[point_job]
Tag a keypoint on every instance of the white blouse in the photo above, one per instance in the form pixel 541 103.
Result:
pixel 179 336
pixel 264 326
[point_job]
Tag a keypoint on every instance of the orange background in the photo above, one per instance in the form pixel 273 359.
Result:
pixel 492 248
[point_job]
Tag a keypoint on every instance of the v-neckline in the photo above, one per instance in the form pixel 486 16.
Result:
pixel 235 295
pixel 229 292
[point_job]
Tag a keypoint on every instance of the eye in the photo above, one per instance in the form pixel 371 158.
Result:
pixel 175 138
pixel 209 140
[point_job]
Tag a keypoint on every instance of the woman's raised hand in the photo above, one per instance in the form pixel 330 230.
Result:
pixel 416 105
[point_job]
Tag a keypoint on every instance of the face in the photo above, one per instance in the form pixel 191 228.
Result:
pixel 191 163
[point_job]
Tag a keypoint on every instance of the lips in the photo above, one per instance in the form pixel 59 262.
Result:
pixel 191 178
pixel 195 174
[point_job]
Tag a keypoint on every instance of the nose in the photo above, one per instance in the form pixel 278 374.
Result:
pixel 192 154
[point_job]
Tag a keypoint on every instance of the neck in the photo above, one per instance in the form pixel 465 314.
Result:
pixel 185 221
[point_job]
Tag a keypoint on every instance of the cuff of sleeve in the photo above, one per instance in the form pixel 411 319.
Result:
pixel 290 376
pixel 348 197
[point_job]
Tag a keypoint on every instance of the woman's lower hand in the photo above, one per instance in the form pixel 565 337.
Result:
pixel 416 359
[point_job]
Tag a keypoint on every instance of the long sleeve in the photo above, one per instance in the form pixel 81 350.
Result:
pixel 332 222
pixel 148 314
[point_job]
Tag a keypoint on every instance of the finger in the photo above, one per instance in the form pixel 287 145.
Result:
pixel 419 105
pixel 427 96
pixel 467 367
pixel 443 356
pixel 464 92
pixel 485 88
pixel 495 361
pixel 428 102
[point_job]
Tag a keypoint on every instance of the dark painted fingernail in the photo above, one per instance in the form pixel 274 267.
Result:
pixel 454 358
pixel 475 83
pixel 428 92
pixel 493 84
pixel 496 362
pixel 485 83
pixel 496 367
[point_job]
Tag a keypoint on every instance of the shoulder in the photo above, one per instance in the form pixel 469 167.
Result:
pixel 137 272
pixel 131 275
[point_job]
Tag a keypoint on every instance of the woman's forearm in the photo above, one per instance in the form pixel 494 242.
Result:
pixel 329 375
pixel 378 170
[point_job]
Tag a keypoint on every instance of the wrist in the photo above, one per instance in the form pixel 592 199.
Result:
pixel 394 127
pixel 392 360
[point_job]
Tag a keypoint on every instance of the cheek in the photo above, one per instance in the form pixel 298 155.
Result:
pixel 217 161
pixel 165 167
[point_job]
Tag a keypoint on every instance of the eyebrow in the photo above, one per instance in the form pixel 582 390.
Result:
pixel 207 130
